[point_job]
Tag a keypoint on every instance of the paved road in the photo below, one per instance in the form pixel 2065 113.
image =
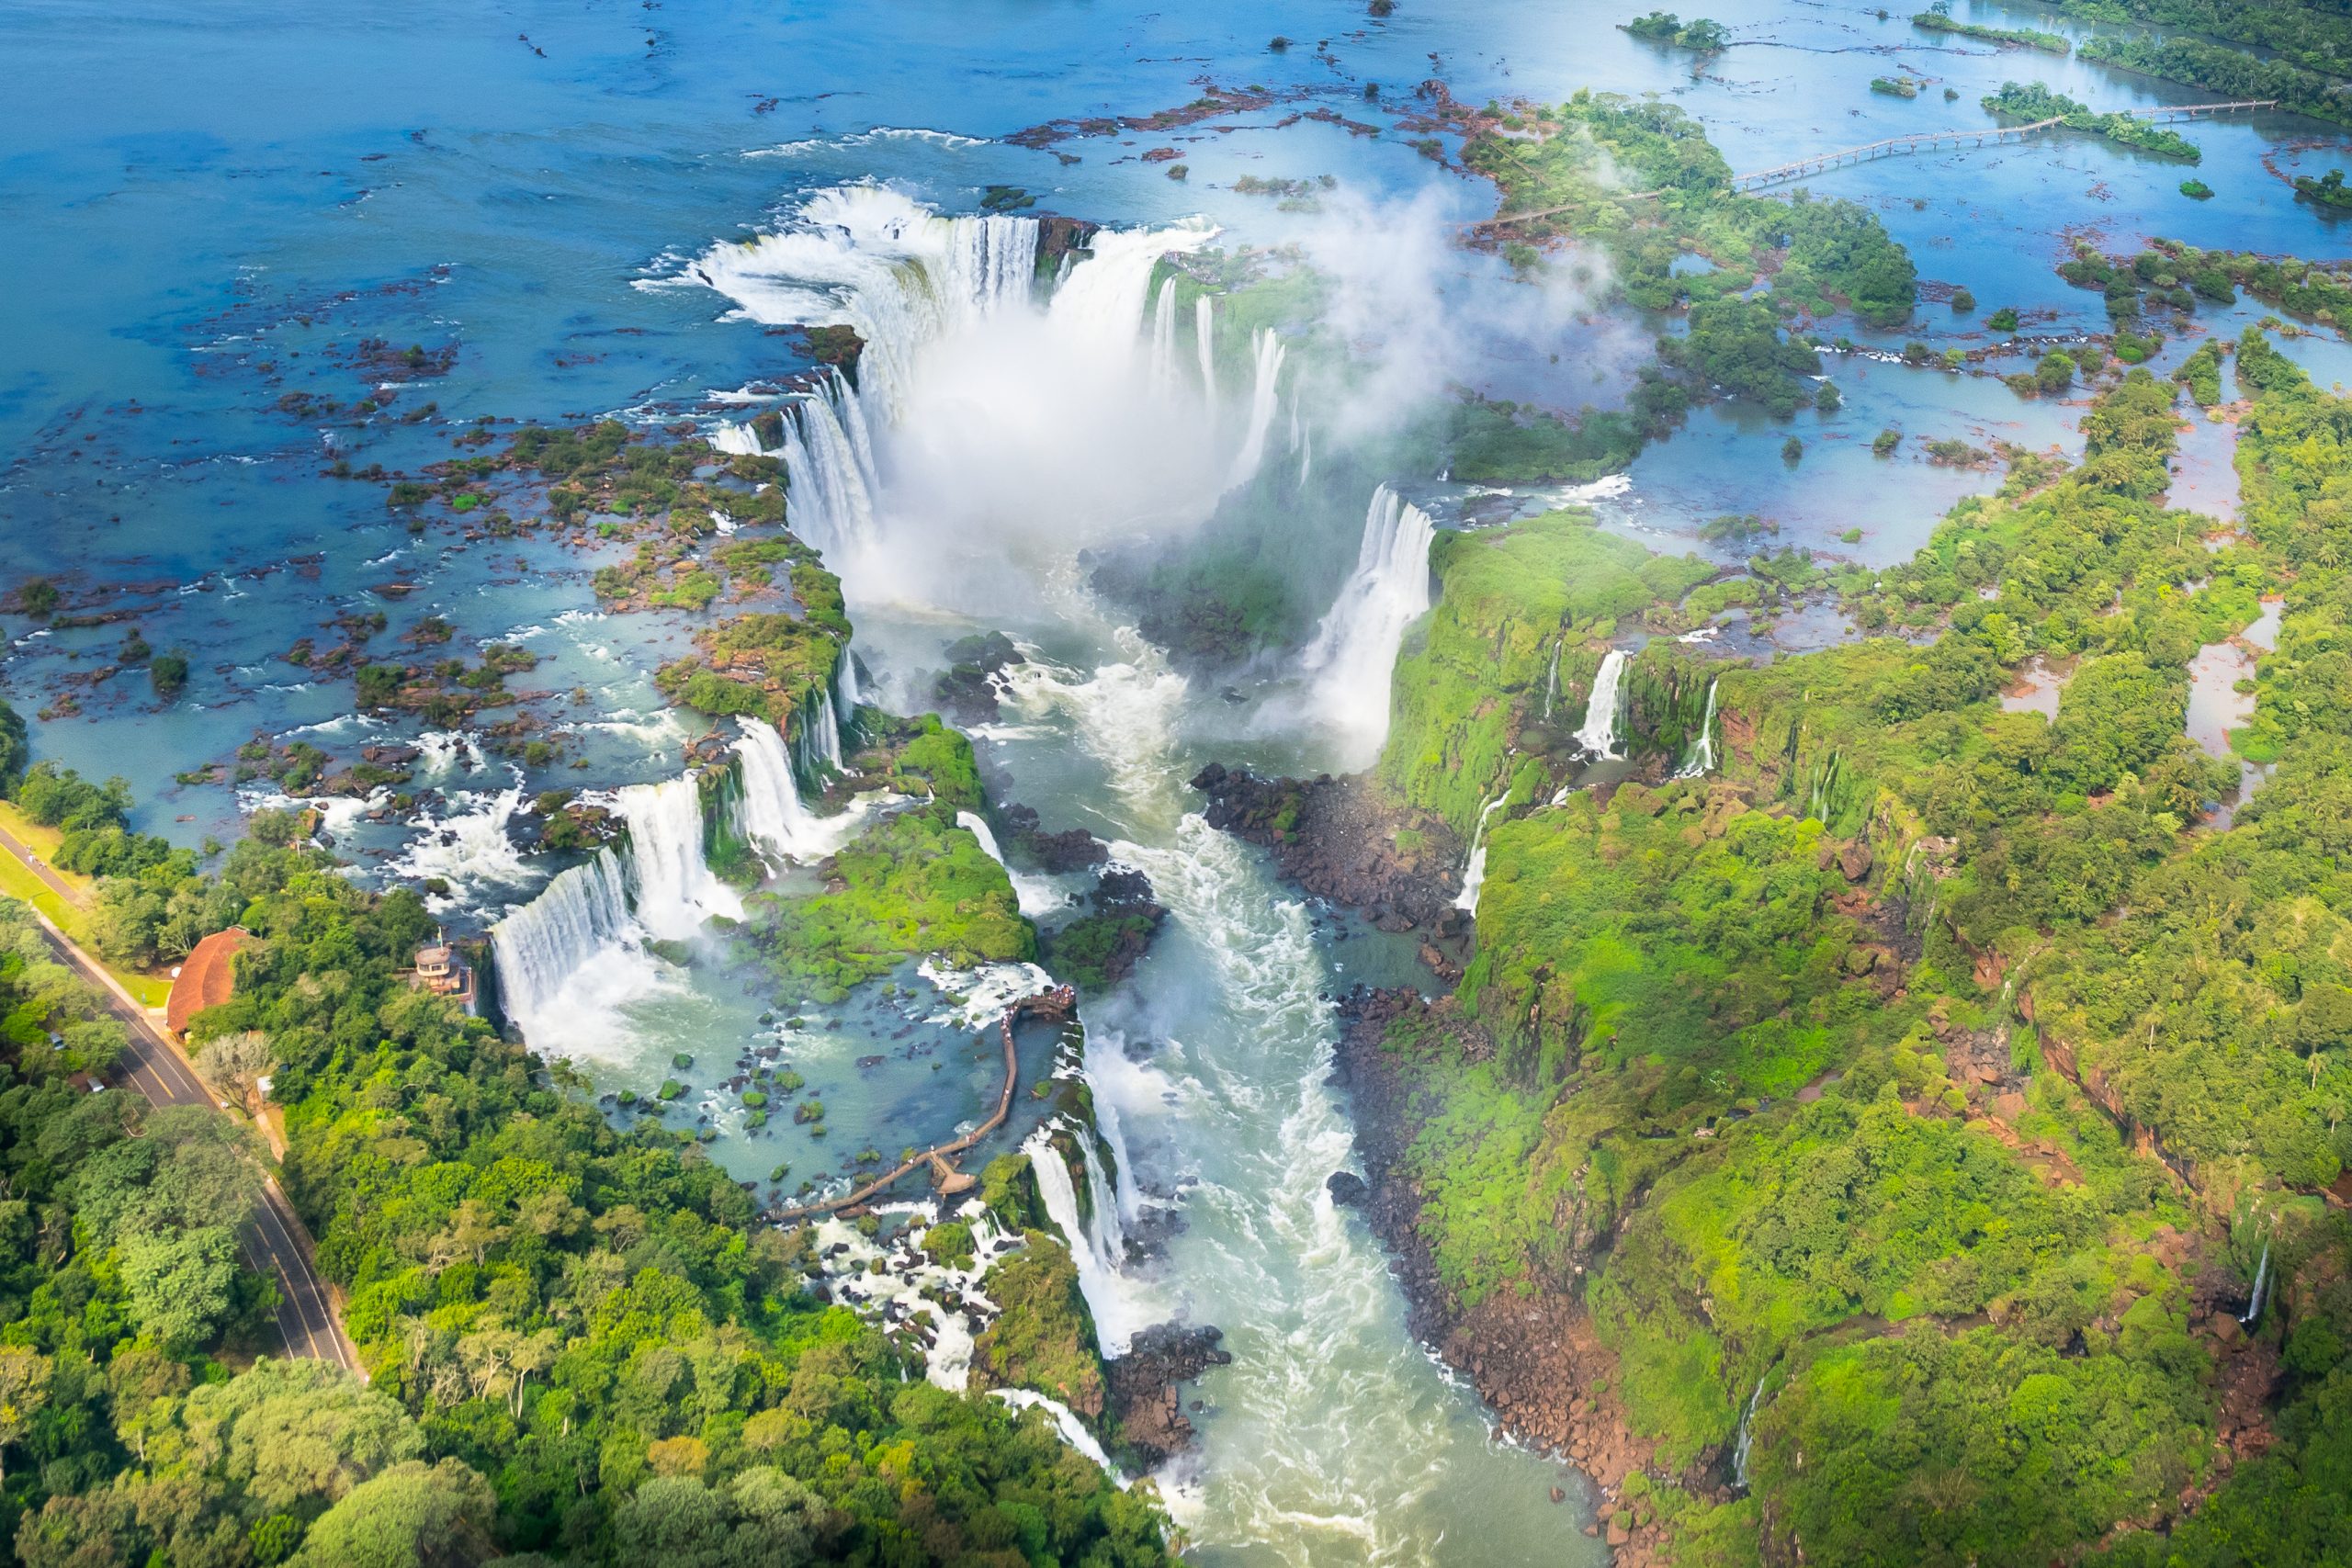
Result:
pixel 274 1240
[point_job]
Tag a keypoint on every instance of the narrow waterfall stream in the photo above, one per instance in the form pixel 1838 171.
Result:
pixel 1598 733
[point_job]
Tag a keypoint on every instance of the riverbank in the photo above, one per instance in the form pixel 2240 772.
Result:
pixel 1533 1358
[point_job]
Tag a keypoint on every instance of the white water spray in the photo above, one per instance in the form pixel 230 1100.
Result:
pixel 1267 355
pixel 1703 753
pixel 1598 734
pixel 1205 339
pixel 676 891
pixel 1037 896
pixel 1094 1248
pixel 1354 655
pixel 2261 1278
pixel 1747 1437
pixel 1473 873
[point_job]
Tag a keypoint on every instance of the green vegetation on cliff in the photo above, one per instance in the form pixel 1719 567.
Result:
pixel 912 884
pixel 1929 1080
pixel 1467 676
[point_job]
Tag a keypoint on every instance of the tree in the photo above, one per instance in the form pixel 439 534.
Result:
pixel 24 1390
pixel 413 1515
pixel 182 1285
pixel 168 673
pixel 235 1064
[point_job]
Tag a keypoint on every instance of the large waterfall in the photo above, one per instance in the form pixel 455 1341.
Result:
pixel 828 469
pixel 1598 734
pixel 582 912
pixel 676 891
pixel 1267 355
pixel 1097 1249
pixel 1163 341
pixel 776 822
pixel 1204 339
pixel 1353 654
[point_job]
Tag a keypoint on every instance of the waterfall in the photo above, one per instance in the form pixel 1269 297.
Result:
pixel 1552 681
pixel 773 819
pixel 2261 1277
pixel 675 889
pixel 1038 895
pixel 1205 339
pixel 736 441
pixel 1101 305
pixel 540 947
pixel 1267 351
pixel 1306 458
pixel 828 469
pixel 1473 873
pixel 1163 341
pixel 1354 655
pixel 1100 1063
pixel 1066 1422
pixel 846 695
pixel 991 263
pixel 1702 754
pixel 1599 734
pixel 1746 1436
pixel 1115 1317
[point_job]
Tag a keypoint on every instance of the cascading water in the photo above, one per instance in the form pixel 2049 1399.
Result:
pixel 1473 872
pixel 1551 678
pixel 737 441
pixel 1037 896
pixel 1701 759
pixel 866 257
pixel 1238 1101
pixel 2261 1278
pixel 538 948
pixel 1267 355
pixel 1163 342
pixel 1598 734
pixel 1204 339
pixel 1073 1431
pixel 676 891
pixel 1353 654
pixel 828 469
pixel 1747 1437
pixel 773 819
pixel 1109 1296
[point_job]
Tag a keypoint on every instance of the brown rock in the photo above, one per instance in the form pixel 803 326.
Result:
pixel 1854 861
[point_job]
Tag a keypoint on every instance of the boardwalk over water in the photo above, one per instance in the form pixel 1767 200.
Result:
pixel 1927 141
pixel 1896 147
pixel 1058 1004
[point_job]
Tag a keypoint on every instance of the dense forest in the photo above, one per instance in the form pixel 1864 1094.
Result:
pixel 1914 1104
pixel 582 1344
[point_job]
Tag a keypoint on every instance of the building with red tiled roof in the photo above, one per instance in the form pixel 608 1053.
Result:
pixel 206 979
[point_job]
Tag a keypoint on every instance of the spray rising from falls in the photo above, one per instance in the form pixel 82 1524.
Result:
pixel 869 258
pixel 1354 651
pixel 1598 734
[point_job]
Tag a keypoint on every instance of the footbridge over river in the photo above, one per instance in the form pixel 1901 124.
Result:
pixel 1929 142
pixel 1892 147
